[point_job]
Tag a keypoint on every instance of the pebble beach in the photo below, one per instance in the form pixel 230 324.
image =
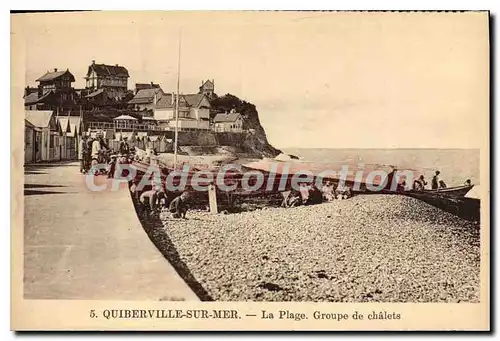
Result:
pixel 369 248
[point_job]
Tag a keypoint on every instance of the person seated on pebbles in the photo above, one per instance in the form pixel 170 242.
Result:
pixel 328 191
pixel 179 206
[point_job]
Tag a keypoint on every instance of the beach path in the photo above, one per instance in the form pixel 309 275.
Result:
pixel 82 244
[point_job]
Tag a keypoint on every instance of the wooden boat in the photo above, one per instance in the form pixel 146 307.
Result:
pixel 458 191
pixel 451 199
pixel 467 208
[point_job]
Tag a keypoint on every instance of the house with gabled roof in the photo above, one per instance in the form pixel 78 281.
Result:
pixel 54 92
pixel 228 122
pixel 112 79
pixel 194 111
pixel 207 88
pixel 147 99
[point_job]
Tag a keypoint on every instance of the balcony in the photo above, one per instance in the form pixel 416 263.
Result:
pixel 122 126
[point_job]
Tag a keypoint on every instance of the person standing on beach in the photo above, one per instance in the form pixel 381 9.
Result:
pixel 124 148
pixel 95 152
pixel 435 180
pixel 82 153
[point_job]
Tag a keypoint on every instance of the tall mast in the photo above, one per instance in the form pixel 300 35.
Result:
pixel 176 144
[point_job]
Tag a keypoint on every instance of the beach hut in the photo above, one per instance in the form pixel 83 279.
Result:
pixel 154 143
pixel 65 142
pixel 32 145
pixel 73 136
pixel 165 145
pixel 142 139
pixel 48 131
pixel 132 140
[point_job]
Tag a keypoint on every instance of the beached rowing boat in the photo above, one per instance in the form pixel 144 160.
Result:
pixel 467 208
pixel 458 191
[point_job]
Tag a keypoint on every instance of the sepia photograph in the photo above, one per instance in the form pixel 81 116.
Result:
pixel 321 158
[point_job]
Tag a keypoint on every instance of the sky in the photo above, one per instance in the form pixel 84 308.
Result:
pixel 318 79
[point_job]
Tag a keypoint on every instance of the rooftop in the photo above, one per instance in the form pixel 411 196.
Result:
pixel 108 70
pixel 49 76
pixel 231 117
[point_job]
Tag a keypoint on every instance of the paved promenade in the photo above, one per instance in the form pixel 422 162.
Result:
pixel 80 244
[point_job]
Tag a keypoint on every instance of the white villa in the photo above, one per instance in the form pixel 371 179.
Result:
pixel 228 122
pixel 194 112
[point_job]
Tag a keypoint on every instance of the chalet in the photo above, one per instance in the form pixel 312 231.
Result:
pixel 147 99
pixel 53 92
pixel 112 79
pixel 228 122
pixel 44 139
pixel 207 88
pixel 194 111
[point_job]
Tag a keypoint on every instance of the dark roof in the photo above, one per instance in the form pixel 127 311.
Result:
pixel 140 86
pixel 166 101
pixel 108 70
pixel 206 83
pixel 49 76
pixel 95 93
pixel 28 123
pixel 33 98
pixel 221 118
pixel 192 100
pixel 29 90
pixel 146 96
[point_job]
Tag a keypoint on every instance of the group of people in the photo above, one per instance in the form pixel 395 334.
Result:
pixel 93 151
pixel 154 200
pixel 310 194
pixel 436 182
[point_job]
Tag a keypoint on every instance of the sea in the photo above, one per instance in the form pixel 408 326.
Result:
pixel 455 165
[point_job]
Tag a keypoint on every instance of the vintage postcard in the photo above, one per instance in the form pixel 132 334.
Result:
pixel 250 171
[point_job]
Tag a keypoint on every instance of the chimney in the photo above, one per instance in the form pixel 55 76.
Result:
pixel 93 61
pixel 116 64
pixel 55 69
pixel 151 84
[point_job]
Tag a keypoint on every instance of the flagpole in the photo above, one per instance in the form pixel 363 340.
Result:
pixel 176 144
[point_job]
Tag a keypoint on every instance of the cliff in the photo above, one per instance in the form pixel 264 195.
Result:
pixel 255 142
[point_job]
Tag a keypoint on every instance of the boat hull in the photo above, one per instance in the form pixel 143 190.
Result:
pixel 466 208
